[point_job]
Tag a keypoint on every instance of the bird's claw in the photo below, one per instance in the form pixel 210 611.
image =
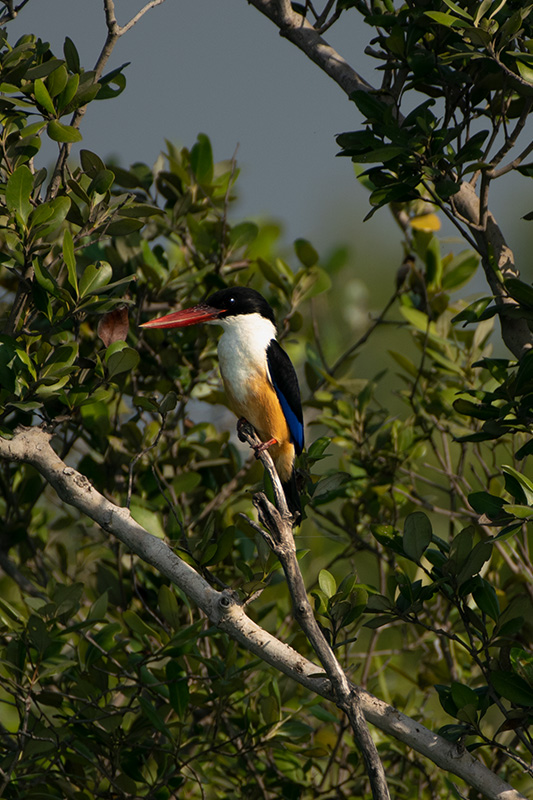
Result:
pixel 243 429
pixel 262 446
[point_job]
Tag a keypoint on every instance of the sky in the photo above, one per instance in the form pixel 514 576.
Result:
pixel 221 68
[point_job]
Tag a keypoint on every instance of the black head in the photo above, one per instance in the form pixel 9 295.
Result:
pixel 240 300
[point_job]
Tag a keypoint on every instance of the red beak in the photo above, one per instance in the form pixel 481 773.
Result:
pixel 189 316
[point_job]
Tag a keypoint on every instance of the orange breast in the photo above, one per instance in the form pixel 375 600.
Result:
pixel 262 409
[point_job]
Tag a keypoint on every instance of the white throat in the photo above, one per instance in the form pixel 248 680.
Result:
pixel 242 350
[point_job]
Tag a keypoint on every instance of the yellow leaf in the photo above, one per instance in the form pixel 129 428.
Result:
pixel 426 222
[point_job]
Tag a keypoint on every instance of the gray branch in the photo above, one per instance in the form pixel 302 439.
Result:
pixel 32 446
pixel 280 539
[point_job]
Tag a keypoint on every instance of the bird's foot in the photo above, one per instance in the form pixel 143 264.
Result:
pixel 243 428
pixel 259 448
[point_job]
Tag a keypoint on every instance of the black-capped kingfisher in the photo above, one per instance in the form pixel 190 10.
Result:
pixel 258 376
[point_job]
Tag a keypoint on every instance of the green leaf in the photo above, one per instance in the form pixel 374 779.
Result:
pixel 137 625
pixel 417 535
pixel 43 278
pixel 520 291
pixel 526 72
pixel 317 449
pixel 98 609
pixel 485 503
pixel 151 714
pixel 327 583
pixel 463 695
pixel 202 159
pixel 18 191
pixel 49 216
pixel 68 93
pixel 102 182
pixel 94 277
pixel 512 687
pixel 443 19
pixel 169 607
pixel 91 163
pixel 71 55
pixel 43 97
pixel 116 79
pixel 121 359
pixel 70 260
pixel 312 282
pixel 178 688
pixel 486 599
pixel 479 555
pixel 57 80
pixel 522 663
pixel 305 252
pixel 525 484
pixel 168 403
pixel 522 512
pixel 473 312
pixel 63 356
pixel 122 227
pixel 243 235
pixel 62 133
pixel 148 519
pixel 458 10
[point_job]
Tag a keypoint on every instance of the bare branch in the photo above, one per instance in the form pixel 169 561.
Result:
pixel 32 446
pixel 300 32
pixel 281 540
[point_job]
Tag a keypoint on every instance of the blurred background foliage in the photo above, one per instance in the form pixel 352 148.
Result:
pixel 415 542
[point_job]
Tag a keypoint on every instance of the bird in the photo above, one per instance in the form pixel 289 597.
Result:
pixel 258 376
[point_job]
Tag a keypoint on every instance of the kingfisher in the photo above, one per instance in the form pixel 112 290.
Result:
pixel 258 376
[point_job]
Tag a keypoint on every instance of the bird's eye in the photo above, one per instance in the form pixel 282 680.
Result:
pixel 231 301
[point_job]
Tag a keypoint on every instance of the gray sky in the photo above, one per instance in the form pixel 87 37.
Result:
pixel 219 67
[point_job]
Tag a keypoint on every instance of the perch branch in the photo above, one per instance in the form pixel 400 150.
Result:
pixel 281 539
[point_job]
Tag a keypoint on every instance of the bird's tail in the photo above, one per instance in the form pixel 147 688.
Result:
pixel 292 495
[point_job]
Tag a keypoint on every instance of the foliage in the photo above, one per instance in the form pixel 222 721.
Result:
pixel 472 61
pixel 416 540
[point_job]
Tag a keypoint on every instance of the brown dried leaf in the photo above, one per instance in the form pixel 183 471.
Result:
pixel 114 326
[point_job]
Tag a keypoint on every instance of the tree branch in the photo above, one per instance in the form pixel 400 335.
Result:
pixel 299 31
pixel 32 446
pixel 281 540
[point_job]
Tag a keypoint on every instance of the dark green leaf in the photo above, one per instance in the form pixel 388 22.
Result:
pixel 71 55
pixel 512 687
pixel 121 359
pixel 18 191
pixel 202 159
pixel 487 600
pixel 417 535
pixel 306 252
pixel 91 163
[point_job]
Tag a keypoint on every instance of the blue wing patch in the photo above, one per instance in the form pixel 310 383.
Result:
pixel 285 383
